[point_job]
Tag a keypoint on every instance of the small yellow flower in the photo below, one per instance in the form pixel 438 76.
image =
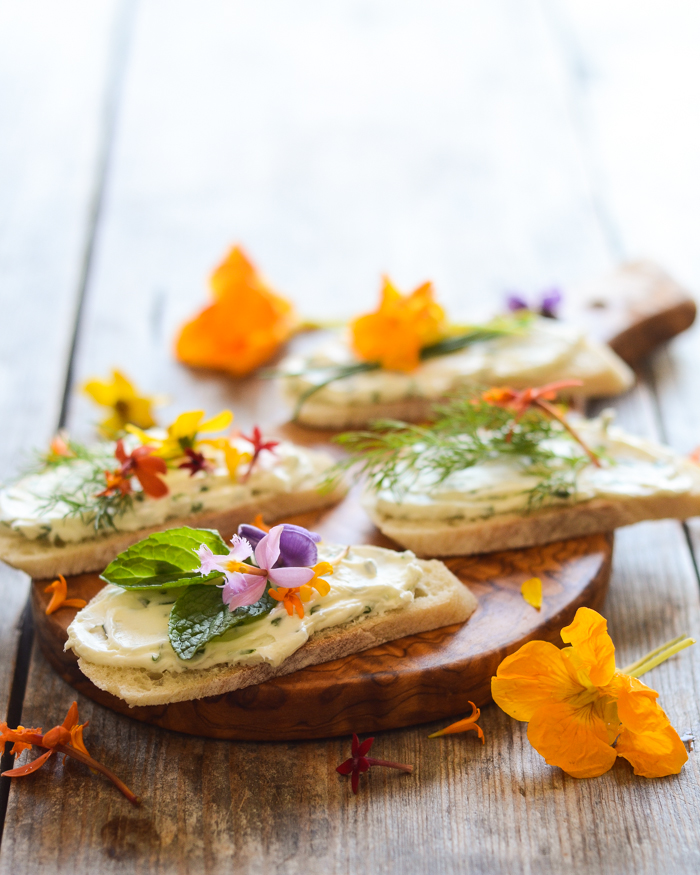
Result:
pixel 183 433
pixel 128 406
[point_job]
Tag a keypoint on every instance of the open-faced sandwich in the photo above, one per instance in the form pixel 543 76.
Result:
pixel 400 360
pixel 506 468
pixel 184 615
pixel 84 505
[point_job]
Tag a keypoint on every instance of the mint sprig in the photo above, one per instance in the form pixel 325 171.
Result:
pixel 199 615
pixel 164 560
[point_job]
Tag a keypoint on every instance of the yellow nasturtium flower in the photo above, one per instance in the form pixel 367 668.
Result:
pixel 397 331
pixel 578 705
pixel 128 406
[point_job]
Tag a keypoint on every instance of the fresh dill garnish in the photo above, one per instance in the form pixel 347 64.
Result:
pixel 77 493
pixel 466 432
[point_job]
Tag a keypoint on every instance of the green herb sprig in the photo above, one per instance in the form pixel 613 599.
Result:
pixel 82 500
pixel 466 432
pixel 326 374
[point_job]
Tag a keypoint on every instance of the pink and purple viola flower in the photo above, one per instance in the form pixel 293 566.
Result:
pixel 285 556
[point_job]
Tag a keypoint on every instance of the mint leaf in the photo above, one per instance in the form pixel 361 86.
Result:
pixel 200 614
pixel 164 559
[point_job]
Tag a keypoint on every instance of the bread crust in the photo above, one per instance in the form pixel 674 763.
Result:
pixel 446 601
pixel 511 531
pixel 41 560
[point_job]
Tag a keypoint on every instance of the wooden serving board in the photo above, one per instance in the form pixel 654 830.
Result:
pixel 424 677
pixel 433 675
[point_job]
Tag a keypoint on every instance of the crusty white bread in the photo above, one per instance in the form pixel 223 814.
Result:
pixel 441 600
pixel 508 531
pixel 334 416
pixel 42 560
pixel 601 371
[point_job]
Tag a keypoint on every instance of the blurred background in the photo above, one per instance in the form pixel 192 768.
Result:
pixel 488 145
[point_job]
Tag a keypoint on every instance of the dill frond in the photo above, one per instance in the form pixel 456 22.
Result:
pixel 468 431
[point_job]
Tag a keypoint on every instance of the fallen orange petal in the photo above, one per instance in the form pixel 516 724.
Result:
pixel 259 524
pixel 463 725
pixel 532 592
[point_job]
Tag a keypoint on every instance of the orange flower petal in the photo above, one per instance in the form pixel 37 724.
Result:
pixel 647 739
pixel 259 524
pixel 532 592
pixel 59 588
pixel 28 768
pixel 534 676
pixel 593 655
pixel 574 739
pixel 463 725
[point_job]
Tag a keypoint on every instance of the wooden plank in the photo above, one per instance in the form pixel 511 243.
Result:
pixel 50 98
pixel 645 155
pixel 357 177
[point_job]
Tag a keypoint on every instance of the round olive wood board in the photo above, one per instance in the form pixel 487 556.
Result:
pixel 421 678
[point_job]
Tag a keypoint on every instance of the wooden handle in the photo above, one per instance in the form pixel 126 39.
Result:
pixel 634 309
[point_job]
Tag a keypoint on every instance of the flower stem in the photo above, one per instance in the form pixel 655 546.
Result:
pixel 554 413
pixel 657 656
pixel 70 751
pixel 402 766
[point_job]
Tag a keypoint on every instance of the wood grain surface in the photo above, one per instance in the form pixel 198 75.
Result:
pixel 489 145
pixel 398 684
pixel 47 155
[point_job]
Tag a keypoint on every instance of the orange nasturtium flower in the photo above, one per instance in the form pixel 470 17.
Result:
pixel 397 331
pixel 59 588
pixel 124 400
pixel 243 328
pixel 582 712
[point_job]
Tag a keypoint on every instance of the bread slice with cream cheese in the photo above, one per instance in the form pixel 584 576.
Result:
pixel 485 508
pixel 440 599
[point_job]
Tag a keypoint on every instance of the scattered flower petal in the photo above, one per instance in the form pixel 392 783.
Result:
pixel 66 738
pixel 532 592
pixel 463 725
pixel 359 762
pixel 59 588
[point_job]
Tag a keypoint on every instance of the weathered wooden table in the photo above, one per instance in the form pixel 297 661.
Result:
pixel 488 145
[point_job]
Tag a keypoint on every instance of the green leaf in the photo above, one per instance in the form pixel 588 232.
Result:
pixel 164 559
pixel 199 615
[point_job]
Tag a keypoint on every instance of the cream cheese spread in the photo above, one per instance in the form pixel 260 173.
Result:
pixel 545 350
pixel 26 509
pixel 631 467
pixel 123 628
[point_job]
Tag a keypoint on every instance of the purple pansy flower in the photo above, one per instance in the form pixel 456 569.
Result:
pixel 549 304
pixel 245 584
pixel 297 545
